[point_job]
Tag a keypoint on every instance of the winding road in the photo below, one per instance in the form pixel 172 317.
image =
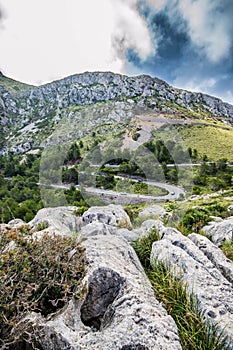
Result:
pixel 111 196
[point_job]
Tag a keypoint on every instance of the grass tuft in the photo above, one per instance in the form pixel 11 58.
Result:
pixel 227 248
pixel 195 333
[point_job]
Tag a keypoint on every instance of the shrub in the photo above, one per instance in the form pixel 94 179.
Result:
pixel 35 275
pixel 195 219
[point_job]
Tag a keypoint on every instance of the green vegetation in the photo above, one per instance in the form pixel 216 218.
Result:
pixel 130 186
pixel 212 177
pixel 194 219
pixel 194 332
pixel 133 210
pixel 19 194
pixel 35 275
pixel 13 85
pixel 193 215
pixel 73 154
pixel 168 152
pixel 227 248
pixel 214 141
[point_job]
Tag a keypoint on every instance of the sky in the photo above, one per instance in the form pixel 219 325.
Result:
pixel 188 43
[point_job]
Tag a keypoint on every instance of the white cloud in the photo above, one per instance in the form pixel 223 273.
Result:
pixel 207 28
pixel 156 4
pixel 195 84
pixel 130 30
pixel 44 40
pixel 228 96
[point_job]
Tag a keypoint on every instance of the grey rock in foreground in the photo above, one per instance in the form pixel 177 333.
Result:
pixel 189 263
pixel 113 215
pixel 98 228
pixel 60 220
pixel 214 254
pixel 15 223
pixel 154 210
pixel 220 232
pixel 117 309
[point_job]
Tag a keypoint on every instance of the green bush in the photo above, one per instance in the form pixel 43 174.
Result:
pixel 195 219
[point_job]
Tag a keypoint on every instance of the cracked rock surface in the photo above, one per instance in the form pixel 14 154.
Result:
pixel 116 308
pixel 204 268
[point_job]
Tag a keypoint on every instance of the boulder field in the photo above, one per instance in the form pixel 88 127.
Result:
pixel 117 308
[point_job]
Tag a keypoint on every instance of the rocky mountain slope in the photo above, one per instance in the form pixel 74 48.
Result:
pixel 79 104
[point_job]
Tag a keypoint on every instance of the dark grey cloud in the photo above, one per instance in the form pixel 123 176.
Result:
pixel 193 44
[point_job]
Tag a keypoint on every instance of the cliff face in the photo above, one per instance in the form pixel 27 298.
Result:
pixel 116 307
pixel 26 110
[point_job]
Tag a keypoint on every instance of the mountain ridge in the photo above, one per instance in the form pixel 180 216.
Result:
pixel 25 110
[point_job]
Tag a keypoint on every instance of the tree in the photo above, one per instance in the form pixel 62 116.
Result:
pixel 73 154
pixel 222 164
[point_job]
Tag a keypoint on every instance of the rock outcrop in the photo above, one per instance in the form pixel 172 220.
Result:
pixel 220 232
pixel 154 210
pixel 112 215
pixel 60 220
pixel 214 254
pixel 116 307
pixel 204 272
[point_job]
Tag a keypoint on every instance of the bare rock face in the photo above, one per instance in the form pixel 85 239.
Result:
pixel 154 210
pixel 113 215
pixel 60 220
pixel 98 228
pixel 219 232
pixel 203 275
pixel 15 223
pixel 104 286
pixel 116 308
pixel 148 225
pixel 214 254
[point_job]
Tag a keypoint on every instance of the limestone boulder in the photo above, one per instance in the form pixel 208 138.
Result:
pixel 148 225
pixel 15 223
pixel 129 235
pixel 59 220
pixel 116 308
pixel 214 254
pixel 98 228
pixel 230 209
pixel 202 277
pixel 219 232
pixel 113 215
pixel 154 210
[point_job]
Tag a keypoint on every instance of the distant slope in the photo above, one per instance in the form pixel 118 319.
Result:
pixel 13 86
pixel 78 105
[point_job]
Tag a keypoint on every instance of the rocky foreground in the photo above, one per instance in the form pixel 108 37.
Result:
pixel 117 308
